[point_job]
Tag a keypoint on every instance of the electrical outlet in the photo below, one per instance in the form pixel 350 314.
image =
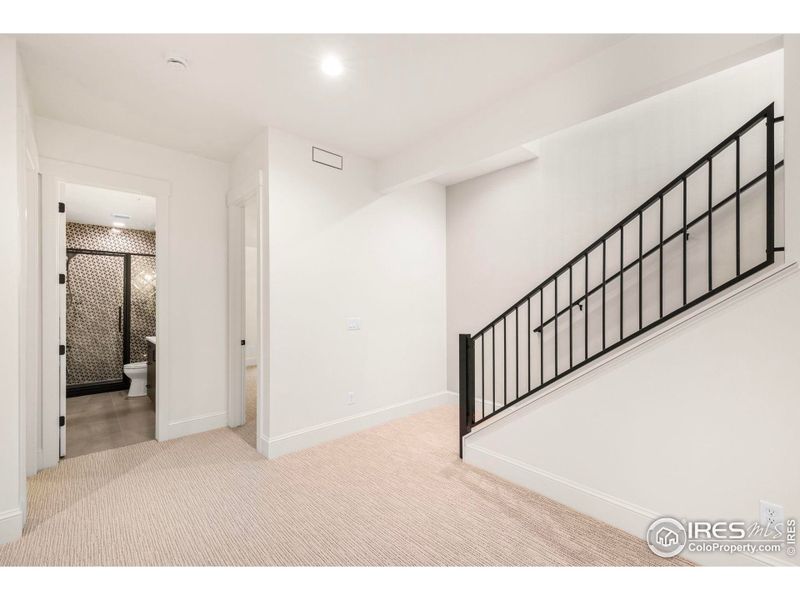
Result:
pixel 353 323
pixel 351 398
pixel 770 514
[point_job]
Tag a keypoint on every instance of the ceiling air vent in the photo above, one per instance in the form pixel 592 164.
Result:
pixel 329 159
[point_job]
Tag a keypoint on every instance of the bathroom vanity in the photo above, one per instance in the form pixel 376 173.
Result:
pixel 151 368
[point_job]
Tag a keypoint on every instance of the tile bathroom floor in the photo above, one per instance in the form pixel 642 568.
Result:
pixel 110 420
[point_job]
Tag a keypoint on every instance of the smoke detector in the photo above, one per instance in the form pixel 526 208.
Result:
pixel 176 62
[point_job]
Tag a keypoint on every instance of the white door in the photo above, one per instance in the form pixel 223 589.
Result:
pixel 236 312
pixel 62 326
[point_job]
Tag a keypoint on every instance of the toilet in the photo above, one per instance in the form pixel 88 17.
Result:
pixel 137 372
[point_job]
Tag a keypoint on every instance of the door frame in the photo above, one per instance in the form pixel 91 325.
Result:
pixel 251 190
pixel 55 175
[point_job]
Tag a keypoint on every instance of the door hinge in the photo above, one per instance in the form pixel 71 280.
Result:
pixel 62 278
pixel 243 342
pixel 62 420
pixel 62 207
pixel 62 349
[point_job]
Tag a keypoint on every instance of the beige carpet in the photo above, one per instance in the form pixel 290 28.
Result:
pixel 393 495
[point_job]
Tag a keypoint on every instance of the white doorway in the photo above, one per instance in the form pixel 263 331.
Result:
pixel 245 293
pixel 58 179
pixel 109 313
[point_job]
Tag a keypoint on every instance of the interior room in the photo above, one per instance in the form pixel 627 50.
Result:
pixel 110 319
pixel 414 300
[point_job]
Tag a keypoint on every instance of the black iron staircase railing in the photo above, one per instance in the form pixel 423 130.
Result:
pixel 626 282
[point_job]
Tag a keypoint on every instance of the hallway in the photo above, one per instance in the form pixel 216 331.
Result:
pixel 392 495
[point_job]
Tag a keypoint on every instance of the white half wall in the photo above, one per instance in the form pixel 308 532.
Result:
pixel 340 250
pixel 197 269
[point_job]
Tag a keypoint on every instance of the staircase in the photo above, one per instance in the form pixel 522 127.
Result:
pixel 700 234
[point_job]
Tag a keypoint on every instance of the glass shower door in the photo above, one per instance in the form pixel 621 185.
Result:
pixel 95 318
pixel 143 304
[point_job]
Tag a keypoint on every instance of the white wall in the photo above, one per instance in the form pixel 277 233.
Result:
pixel 698 423
pixel 31 270
pixel 508 231
pixel 339 249
pixel 16 145
pixel 197 270
pixel 792 143
pixel 10 430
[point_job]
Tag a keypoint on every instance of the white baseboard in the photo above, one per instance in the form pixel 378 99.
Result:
pixel 618 513
pixel 316 434
pixel 196 424
pixel 11 522
pixel 623 515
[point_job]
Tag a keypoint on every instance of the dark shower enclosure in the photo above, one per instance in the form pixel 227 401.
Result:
pixel 111 308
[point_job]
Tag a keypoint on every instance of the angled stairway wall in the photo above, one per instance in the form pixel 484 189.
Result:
pixel 700 422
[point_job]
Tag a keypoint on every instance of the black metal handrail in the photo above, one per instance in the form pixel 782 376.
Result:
pixel 467 373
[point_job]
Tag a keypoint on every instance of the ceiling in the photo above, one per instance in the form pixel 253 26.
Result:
pixel 396 89
pixel 98 206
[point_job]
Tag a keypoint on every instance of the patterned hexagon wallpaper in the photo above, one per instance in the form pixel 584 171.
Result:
pixel 95 295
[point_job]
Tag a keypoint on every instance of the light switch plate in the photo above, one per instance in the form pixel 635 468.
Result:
pixel 353 323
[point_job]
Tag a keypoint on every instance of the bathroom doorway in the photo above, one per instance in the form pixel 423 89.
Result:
pixel 109 319
pixel 59 179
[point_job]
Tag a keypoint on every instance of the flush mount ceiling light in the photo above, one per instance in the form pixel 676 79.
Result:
pixel 177 63
pixel 332 66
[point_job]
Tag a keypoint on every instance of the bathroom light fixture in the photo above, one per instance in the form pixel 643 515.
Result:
pixel 332 66
pixel 118 225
